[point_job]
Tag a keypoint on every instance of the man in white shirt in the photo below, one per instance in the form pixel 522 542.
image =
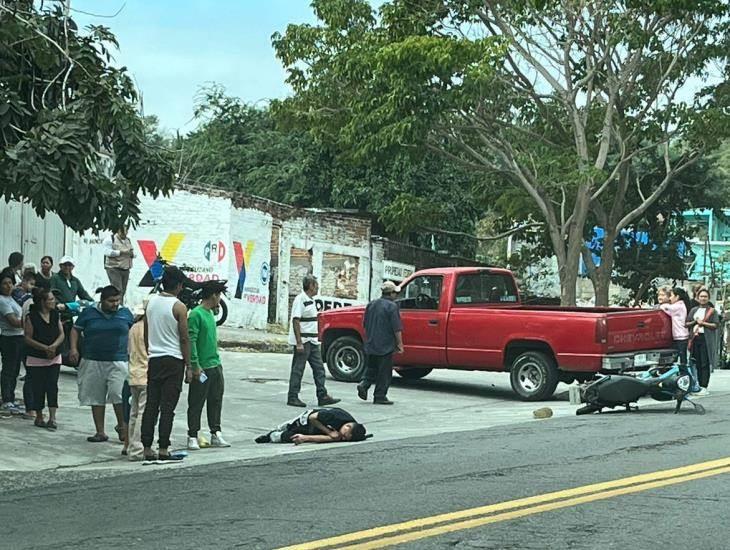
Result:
pixel 118 256
pixel 304 339
pixel 168 347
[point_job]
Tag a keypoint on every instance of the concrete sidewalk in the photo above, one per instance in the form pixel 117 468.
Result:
pixel 256 389
pixel 271 340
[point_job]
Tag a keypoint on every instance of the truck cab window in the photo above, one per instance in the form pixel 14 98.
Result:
pixel 485 288
pixel 422 293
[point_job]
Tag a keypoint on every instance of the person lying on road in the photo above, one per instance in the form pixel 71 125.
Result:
pixel 322 425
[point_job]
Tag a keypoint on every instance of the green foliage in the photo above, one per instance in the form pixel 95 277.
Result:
pixel 558 99
pixel 244 148
pixel 71 139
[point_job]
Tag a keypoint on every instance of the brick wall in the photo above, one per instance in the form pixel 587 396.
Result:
pixel 335 248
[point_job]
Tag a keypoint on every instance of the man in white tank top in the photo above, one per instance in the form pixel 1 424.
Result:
pixel 168 345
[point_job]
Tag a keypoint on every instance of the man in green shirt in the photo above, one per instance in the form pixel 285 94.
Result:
pixel 206 373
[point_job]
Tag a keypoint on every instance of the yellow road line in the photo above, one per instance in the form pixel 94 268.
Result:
pixel 470 524
pixel 420 523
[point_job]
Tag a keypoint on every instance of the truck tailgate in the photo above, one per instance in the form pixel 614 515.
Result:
pixel 638 329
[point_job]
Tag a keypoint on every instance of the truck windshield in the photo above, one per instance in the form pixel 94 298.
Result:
pixel 485 288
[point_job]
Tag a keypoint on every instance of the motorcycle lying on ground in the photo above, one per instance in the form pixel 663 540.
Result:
pixel 665 383
pixel 191 292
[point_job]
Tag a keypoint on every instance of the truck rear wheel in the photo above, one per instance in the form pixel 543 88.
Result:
pixel 413 373
pixel 534 376
pixel 346 359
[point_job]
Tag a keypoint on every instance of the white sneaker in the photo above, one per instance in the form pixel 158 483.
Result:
pixel 12 408
pixel 702 392
pixel 193 444
pixel 218 441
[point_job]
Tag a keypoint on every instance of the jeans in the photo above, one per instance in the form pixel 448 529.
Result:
pixel 44 381
pixel 11 349
pixel 378 371
pixel 701 360
pixel 313 354
pixel 208 393
pixel 681 347
pixel 164 384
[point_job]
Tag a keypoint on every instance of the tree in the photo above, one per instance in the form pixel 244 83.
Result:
pixel 560 98
pixel 71 139
pixel 243 148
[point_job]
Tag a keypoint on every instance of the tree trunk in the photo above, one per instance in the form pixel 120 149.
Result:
pixel 569 269
pixel 602 280
pixel 568 282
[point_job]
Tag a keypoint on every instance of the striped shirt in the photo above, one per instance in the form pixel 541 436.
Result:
pixel 305 310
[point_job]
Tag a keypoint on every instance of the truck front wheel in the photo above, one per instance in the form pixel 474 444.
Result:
pixel 534 376
pixel 346 359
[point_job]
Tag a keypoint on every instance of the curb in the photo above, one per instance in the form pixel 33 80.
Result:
pixel 259 346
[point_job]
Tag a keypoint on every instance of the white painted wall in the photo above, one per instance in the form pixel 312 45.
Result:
pixel 22 230
pixel 199 234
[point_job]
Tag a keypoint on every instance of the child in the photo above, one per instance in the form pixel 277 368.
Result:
pixel 677 310
pixel 137 383
pixel 662 295
pixel 24 291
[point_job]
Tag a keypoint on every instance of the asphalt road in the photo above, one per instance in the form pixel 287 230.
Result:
pixel 290 499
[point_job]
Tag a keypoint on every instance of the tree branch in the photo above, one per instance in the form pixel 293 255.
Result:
pixel 485 239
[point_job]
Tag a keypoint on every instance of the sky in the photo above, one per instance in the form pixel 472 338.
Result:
pixel 173 47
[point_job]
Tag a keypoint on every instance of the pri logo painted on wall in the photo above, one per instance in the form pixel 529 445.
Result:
pixel 214 251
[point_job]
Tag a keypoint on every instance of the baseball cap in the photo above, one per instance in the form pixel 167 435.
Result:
pixel 67 260
pixel 389 286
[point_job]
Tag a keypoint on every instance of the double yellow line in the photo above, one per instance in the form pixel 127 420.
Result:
pixel 409 531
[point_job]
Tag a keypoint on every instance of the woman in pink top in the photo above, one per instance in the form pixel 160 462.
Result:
pixel 677 309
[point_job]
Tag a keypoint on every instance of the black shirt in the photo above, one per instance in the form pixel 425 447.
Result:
pixel 45 333
pixel 334 417
pixel 381 322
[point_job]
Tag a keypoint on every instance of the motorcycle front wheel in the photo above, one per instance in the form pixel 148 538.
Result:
pixel 221 314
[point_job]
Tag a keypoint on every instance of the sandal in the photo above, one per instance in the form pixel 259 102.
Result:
pixel 40 423
pixel 97 438
pixel 51 425
pixel 170 457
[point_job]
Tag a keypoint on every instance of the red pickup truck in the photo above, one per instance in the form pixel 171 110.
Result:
pixel 472 319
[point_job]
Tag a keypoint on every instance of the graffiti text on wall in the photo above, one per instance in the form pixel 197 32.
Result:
pixel 324 304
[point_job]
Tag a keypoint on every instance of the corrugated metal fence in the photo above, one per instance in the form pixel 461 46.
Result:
pixel 24 231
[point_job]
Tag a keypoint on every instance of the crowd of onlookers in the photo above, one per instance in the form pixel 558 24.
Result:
pixel 695 331
pixel 133 359
pixel 136 359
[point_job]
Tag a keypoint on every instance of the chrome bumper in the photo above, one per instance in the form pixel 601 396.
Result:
pixel 638 359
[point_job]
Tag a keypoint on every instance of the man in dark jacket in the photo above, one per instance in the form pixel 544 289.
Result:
pixel 67 287
pixel 383 337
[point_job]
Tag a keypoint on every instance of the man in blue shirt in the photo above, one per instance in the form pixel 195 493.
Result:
pixel 383 337
pixel 103 368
